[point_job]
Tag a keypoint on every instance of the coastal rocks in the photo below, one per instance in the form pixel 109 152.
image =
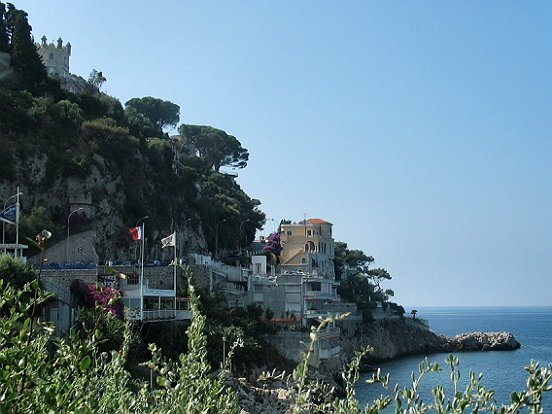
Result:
pixel 395 338
pixel 484 341
pixel 274 393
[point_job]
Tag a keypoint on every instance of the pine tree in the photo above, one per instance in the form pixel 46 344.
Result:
pixel 4 37
pixel 26 61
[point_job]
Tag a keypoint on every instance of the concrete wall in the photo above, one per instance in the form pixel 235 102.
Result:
pixel 201 276
pixel 81 249
pixel 60 312
pixel 59 281
pixel 156 277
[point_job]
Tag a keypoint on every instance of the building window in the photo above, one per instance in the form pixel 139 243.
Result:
pixel 51 56
pixel 294 307
pixel 289 233
pixel 133 279
pixel 309 233
pixel 315 286
pixel 293 288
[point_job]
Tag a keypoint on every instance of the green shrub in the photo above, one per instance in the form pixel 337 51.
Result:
pixel 43 374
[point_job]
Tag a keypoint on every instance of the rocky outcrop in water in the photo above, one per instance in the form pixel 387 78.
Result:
pixel 484 341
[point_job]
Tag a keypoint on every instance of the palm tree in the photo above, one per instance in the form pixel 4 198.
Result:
pixel 413 312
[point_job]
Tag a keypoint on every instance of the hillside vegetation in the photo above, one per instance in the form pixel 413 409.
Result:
pixel 62 148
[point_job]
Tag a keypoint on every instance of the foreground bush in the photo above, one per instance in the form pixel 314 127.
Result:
pixel 41 374
pixel 73 376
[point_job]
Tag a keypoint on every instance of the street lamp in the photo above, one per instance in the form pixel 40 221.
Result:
pixel 3 222
pixel 273 225
pixel 140 219
pixel 69 218
pixel 217 238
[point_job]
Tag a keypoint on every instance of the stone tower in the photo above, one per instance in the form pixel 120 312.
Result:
pixel 55 57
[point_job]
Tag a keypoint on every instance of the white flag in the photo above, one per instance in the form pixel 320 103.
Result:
pixel 169 241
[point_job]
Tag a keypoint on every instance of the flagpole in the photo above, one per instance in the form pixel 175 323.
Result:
pixel 142 272
pixel 174 274
pixel 17 221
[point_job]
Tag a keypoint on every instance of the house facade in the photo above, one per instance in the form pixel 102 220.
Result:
pixel 308 246
pixel 301 288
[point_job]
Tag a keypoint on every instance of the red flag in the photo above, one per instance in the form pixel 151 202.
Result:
pixel 136 233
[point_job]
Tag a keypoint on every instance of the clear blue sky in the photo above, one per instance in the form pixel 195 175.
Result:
pixel 421 129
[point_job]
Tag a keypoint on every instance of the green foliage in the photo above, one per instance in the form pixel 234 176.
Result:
pixel 69 114
pixel 139 124
pixel 26 61
pixel 103 129
pixel 13 111
pixel 473 398
pixel 34 221
pixel 347 261
pixel 96 80
pixel 99 105
pixel 161 113
pixel 223 199
pixel 15 272
pixel 76 375
pixel 42 374
pixel 215 146
pixel 7 164
pixel 359 283
pixel 107 329
pixel 90 139
pixel 4 36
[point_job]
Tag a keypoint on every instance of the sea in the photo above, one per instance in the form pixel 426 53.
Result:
pixel 503 371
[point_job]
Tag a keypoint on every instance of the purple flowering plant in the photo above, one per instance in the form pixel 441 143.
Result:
pixel 90 295
pixel 273 244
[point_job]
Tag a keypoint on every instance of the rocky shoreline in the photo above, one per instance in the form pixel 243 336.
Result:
pixel 389 339
pixel 395 338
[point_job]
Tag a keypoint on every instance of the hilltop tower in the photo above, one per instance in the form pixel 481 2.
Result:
pixel 55 57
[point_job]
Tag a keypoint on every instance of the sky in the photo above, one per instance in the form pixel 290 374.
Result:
pixel 420 129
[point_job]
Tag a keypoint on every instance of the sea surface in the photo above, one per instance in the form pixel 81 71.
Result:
pixel 502 371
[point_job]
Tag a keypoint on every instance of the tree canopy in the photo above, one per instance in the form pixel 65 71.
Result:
pixel 349 260
pixel 4 35
pixel 161 113
pixel 26 62
pixel 215 146
pixel 359 283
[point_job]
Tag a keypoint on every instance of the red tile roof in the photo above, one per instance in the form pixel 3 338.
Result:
pixel 317 221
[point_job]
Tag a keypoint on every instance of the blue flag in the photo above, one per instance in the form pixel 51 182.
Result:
pixel 9 215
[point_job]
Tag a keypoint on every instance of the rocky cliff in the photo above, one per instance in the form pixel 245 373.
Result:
pixel 389 339
pixel 401 337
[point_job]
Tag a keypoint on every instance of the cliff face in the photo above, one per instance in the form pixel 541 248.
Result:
pixel 393 338
pixel 69 151
pixel 113 194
